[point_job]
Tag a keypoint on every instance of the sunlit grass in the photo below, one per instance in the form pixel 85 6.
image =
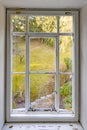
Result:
pixel 42 58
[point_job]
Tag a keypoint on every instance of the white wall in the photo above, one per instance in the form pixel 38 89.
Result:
pixel 2 37
pixel 83 64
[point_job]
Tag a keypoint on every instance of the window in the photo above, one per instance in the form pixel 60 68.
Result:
pixel 42 65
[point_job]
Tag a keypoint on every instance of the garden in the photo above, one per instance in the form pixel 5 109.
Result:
pixel 42 59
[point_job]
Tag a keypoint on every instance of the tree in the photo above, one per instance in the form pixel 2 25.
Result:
pixel 18 23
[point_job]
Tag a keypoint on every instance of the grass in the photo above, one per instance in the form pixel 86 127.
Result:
pixel 42 58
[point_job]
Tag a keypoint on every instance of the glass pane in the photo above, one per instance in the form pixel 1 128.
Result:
pixel 42 88
pixel 18 91
pixel 65 92
pixel 18 53
pixel 65 53
pixel 42 24
pixel 18 23
pixel 42 54
pixel 66 24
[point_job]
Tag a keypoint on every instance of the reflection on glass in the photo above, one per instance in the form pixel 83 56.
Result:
pixel 18 23
pixel 18 53
pixel 18 91
pixel 42 54
pixel 65 53
pixel 42 88
pixel 42 24
pixel 65 92
pixel 66 24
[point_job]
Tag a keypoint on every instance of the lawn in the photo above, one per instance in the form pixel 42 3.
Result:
pixel 42 59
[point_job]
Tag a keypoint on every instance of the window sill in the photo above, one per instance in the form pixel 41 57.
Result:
pixel 42 126
pixel 48 117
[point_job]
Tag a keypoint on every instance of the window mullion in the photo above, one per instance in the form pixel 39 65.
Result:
pixel 27 68
pixel 11 53
pixel 11 71
pixel 66 34
pixel 57 68
pixel 73 68
pixel 40 34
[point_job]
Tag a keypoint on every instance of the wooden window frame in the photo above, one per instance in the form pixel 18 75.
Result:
pixel 30 116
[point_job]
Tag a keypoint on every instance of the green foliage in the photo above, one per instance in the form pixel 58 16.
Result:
pixel 68 102
pixel 19 51
pixel 18 83
pixel 13 105
pixel 18 23
pixel 66 94
pixel 43 51
pixel 68 63
pixel 33 24
pixel 66 89
pixel 36 24
pixel 49 41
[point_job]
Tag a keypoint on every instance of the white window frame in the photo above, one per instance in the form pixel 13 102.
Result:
pixel 53 116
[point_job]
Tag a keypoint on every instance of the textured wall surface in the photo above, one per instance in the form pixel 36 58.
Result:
pixel 83 64
pixel 45 3
pixel 2 41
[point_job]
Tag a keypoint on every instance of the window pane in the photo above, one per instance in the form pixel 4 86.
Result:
pixel 18 23
pixel 42 54
pixel 65 92
pixel 66 24
pixel 18 91
pixel 42 24
pixel 18 53
pixel 65 53
pixel 42 88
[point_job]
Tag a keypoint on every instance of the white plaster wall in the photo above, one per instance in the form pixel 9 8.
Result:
pixel 2 41
pixel 83 66
pixel 44 3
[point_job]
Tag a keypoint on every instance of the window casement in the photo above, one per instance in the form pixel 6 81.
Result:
pixel 42 65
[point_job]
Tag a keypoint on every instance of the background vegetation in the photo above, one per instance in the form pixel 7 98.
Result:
pixel 42 58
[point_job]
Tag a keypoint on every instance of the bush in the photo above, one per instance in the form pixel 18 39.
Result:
pixel 66 89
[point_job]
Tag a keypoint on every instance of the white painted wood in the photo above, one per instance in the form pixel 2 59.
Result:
pixel 43 12
pixel 37 72
pixel 66 34
pixel 57 101
pixel 18 72
pixel 76 66
pixel 27 96
pixel 42 117
pixel 43 126
pixel 36 34
pixel 37 116
pixel 8 72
